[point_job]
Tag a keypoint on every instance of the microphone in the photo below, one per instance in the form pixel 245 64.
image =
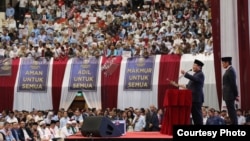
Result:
pixel 183 74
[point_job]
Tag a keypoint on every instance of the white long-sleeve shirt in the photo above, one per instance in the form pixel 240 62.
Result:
pixel 44 133
pixel 23 3
pixel 139 123
pixel 65 132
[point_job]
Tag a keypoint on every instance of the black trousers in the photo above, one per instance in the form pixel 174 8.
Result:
pixel 231 111
pixel 197 113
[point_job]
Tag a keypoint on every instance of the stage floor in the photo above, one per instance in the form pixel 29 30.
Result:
pixel 128 136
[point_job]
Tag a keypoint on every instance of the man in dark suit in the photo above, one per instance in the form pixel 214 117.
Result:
pixel 25 133
pixel 14 131
pixel 229 89
pixel 195 84
pixel 154 120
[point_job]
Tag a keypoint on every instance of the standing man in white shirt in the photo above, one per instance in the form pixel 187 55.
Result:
pixel 139 121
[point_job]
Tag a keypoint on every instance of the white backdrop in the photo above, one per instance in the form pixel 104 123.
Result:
pixel 93 99
pixel 138 99
pixel 37 100
pixel 229 36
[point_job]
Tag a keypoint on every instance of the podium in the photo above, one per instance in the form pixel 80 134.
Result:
pixel 177 104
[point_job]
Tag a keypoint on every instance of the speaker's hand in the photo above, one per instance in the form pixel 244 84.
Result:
pixel 173 83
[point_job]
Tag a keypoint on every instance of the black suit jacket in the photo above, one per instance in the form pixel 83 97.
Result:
pixel 21 134
pixel 195 84
pixel 229 90
pixel 155 122
pixel 16 136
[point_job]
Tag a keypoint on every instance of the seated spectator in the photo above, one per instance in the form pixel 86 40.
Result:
pixel 55 133
pixel 227 120
pixel 82 52
pixel 64 119
pixel 75 127
pixel 247 118
pixel 204 115
pixel 22 51
pixel 15 130
pixel 112 52
pixel 57 51
pixel 2 52
pixel 209 47
pixel 29 52
pixel 213 119
pixel 10 11
pixel 138 52
pixel 12 118
pixel 34 131
pixel 24 132
pixel 95 51
pixel 6 131
pixel 35 53
pixel 193 49
pixel 77 117
pixel 155 50
pixel 44 132
pixel 48 54
pixel 71 53
pixel 66 130
pixel 145 53
pixel 241 118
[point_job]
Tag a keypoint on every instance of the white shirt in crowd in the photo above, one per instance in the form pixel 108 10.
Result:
pixel 38 118
pixel 26 135
pixel 66 131
pixel 23 3
pixel 55 132
pixel 139 123
pixel 241 120
pixel 12 120
pixel 44 133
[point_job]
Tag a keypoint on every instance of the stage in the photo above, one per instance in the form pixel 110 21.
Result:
pixel 147 136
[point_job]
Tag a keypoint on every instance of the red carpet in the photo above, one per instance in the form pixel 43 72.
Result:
pixel 128 136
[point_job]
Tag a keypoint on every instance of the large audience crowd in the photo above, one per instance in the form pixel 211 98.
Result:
pixel 51 125
pixel 82 28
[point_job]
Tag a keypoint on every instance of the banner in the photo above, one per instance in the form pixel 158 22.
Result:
pixel 33 75
pixel 139 73
pixel 5 66
pixel 83 74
